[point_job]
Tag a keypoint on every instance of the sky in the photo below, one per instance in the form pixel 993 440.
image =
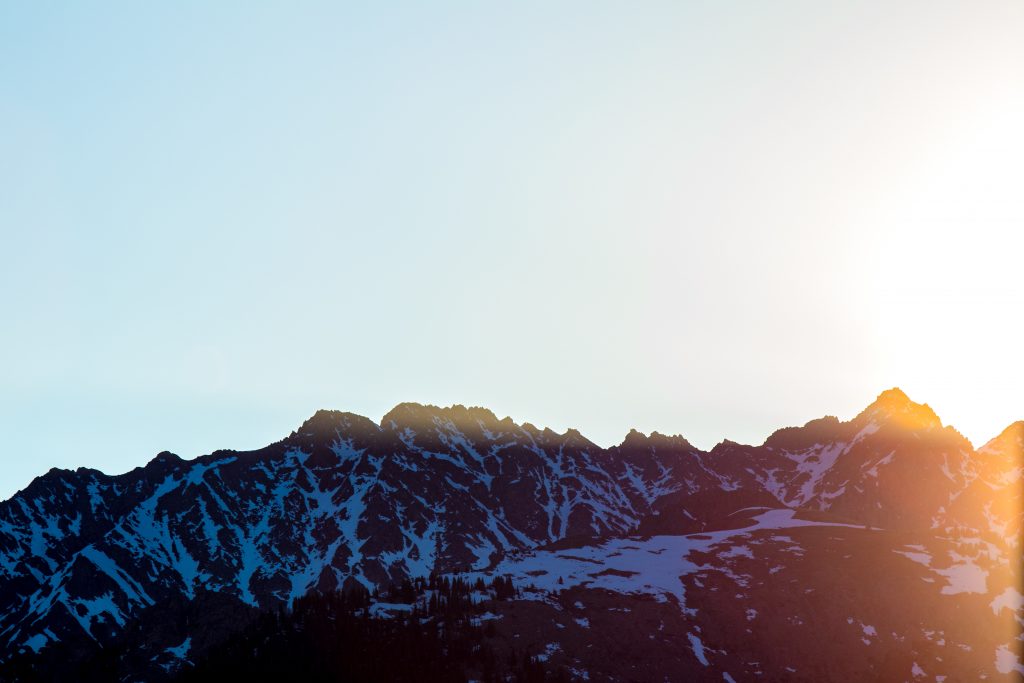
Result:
pixel 706 218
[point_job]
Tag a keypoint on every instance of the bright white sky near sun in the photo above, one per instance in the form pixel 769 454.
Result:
pixel 707 218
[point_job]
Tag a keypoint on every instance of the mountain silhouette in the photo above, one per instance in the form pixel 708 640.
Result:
pixel 870 548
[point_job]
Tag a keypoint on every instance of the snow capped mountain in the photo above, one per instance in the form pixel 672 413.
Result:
pixel 344 502
pixel 894 465
pixel 341 500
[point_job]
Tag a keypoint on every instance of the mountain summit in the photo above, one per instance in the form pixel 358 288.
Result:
pixel 893 405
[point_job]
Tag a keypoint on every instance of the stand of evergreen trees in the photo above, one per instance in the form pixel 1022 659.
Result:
pixel 336 638
pixel 330 638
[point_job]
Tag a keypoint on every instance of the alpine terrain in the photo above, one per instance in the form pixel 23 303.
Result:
pixel 448 544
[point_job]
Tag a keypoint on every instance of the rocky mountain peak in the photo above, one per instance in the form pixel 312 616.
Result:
pixel 417 416
pixel 1009 443
pixel 637 439
pixel 164 460
pixel 821 430
pixel 327 425
pixel 893 406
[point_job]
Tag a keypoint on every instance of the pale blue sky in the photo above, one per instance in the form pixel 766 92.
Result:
pixel 697 217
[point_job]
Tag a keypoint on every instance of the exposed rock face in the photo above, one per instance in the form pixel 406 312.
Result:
pixel 346 501
pixel 340 500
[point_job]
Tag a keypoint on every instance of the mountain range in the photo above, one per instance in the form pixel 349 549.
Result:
pixel 885 547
